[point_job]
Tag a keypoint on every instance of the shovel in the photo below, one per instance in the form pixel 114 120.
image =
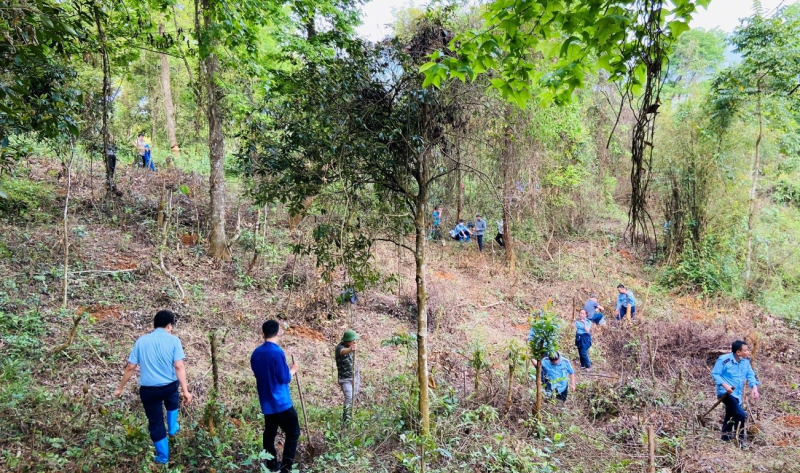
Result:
pixel 702 418
pixel 311 450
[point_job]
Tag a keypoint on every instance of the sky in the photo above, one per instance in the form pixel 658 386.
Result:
pixel 724 14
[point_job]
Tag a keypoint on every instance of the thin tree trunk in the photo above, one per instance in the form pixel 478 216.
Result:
pixel 66 225
pixel 422 309
pixel 538 407
pixel 169 107
pixel 216 146
pixel 459 182
pixel 753 193
pixel 508 186
pixel 106 86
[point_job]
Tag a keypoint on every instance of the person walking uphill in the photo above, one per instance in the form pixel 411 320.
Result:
pixel 349 381
pixel 583 339
pixel 273 376
pixel 557 375
pixel 729 373
pixel 159 355
pixel 624 299
pixel 480 229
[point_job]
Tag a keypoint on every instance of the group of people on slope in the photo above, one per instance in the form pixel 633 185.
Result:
pixel 143 154
pixel 730 371
pixel 463 232
pixel 160 358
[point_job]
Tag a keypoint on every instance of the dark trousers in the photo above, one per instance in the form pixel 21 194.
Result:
pixel 111 166
pixel 290 425
pixel 562 396
pixel 596 318
pixel 624 311
pixel 154 399
pixel 734 419
pixel 480 242
pixel 499 239
pixel 583 342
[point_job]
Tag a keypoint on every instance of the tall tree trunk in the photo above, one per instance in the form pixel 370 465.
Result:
pixel 169 107
pixel 216 147
pixel 422 313
pixel 508 190
pixel 753 193
pixel 106 93
pixel 459 181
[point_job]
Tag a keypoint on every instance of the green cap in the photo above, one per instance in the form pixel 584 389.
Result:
pixel 349 336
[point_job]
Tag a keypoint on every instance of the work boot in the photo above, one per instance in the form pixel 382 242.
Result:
pixel 172 423
pixel 162 451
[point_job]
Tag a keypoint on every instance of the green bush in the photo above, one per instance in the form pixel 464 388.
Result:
pixel 787 192
pixel 707 269
pixel 25 199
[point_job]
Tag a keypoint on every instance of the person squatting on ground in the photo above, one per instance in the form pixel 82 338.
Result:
pixel 159 355
pixel 729 373
pixel 557 375
pixel 480 229
pixel 624 299
pixel 594 310
pixel 461 232
pixel 349 384
pixel 272 380
pixel 499 237
pixel 583 339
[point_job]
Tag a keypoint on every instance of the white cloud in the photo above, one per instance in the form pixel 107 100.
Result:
pixel 725 14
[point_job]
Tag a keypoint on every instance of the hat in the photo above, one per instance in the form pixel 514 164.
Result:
pixel 593 296
pixel 350 336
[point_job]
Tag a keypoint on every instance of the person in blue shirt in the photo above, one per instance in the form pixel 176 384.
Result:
pixel 480 229
pixel 583 339
pixel 557 375
pixel 594 310
pixel 624 299
pixel 436 232
pixel 159 355
pixel 461 232
pixel 273 376
pixel 729 373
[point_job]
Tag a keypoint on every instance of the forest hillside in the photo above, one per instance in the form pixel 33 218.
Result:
pixel 455 194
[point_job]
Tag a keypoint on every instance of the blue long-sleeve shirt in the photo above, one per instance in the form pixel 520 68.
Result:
pixel 272 378
pixel 733 373
pixel 480 227
pixel 461 228
pixel 623 299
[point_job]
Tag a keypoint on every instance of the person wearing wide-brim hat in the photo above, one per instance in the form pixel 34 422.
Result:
pixel 349 382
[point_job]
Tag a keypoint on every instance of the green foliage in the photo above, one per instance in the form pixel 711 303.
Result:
pixel 787 191
pixel 544 333
pixel 26 200
pixel 578 38
pixel 707 269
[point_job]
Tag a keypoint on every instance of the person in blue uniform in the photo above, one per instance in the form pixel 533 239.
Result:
pixel 730 373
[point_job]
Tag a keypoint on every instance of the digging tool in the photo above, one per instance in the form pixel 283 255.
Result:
pixel 311 449
pixel 702 418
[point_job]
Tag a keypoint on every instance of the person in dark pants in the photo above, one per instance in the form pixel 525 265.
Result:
pixel 159 355
pixel 594 310
pixel 583 339
pixel 272 380
pixel 111 161
pixel 730 373
pixel 558 377
pixel 499 237
pixel 480 229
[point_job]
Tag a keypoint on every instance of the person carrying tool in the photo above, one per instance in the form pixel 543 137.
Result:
pixel 729 373
pixel 273 376
pixel 159 355
pixel 624 299
pixel 594 310
pixel 583 339
pixel 349 382
pixel 556 371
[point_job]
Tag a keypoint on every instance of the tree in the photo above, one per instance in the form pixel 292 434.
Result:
pixel 169 107
pixel 360 125
pixel 542 341
pixel 766 78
